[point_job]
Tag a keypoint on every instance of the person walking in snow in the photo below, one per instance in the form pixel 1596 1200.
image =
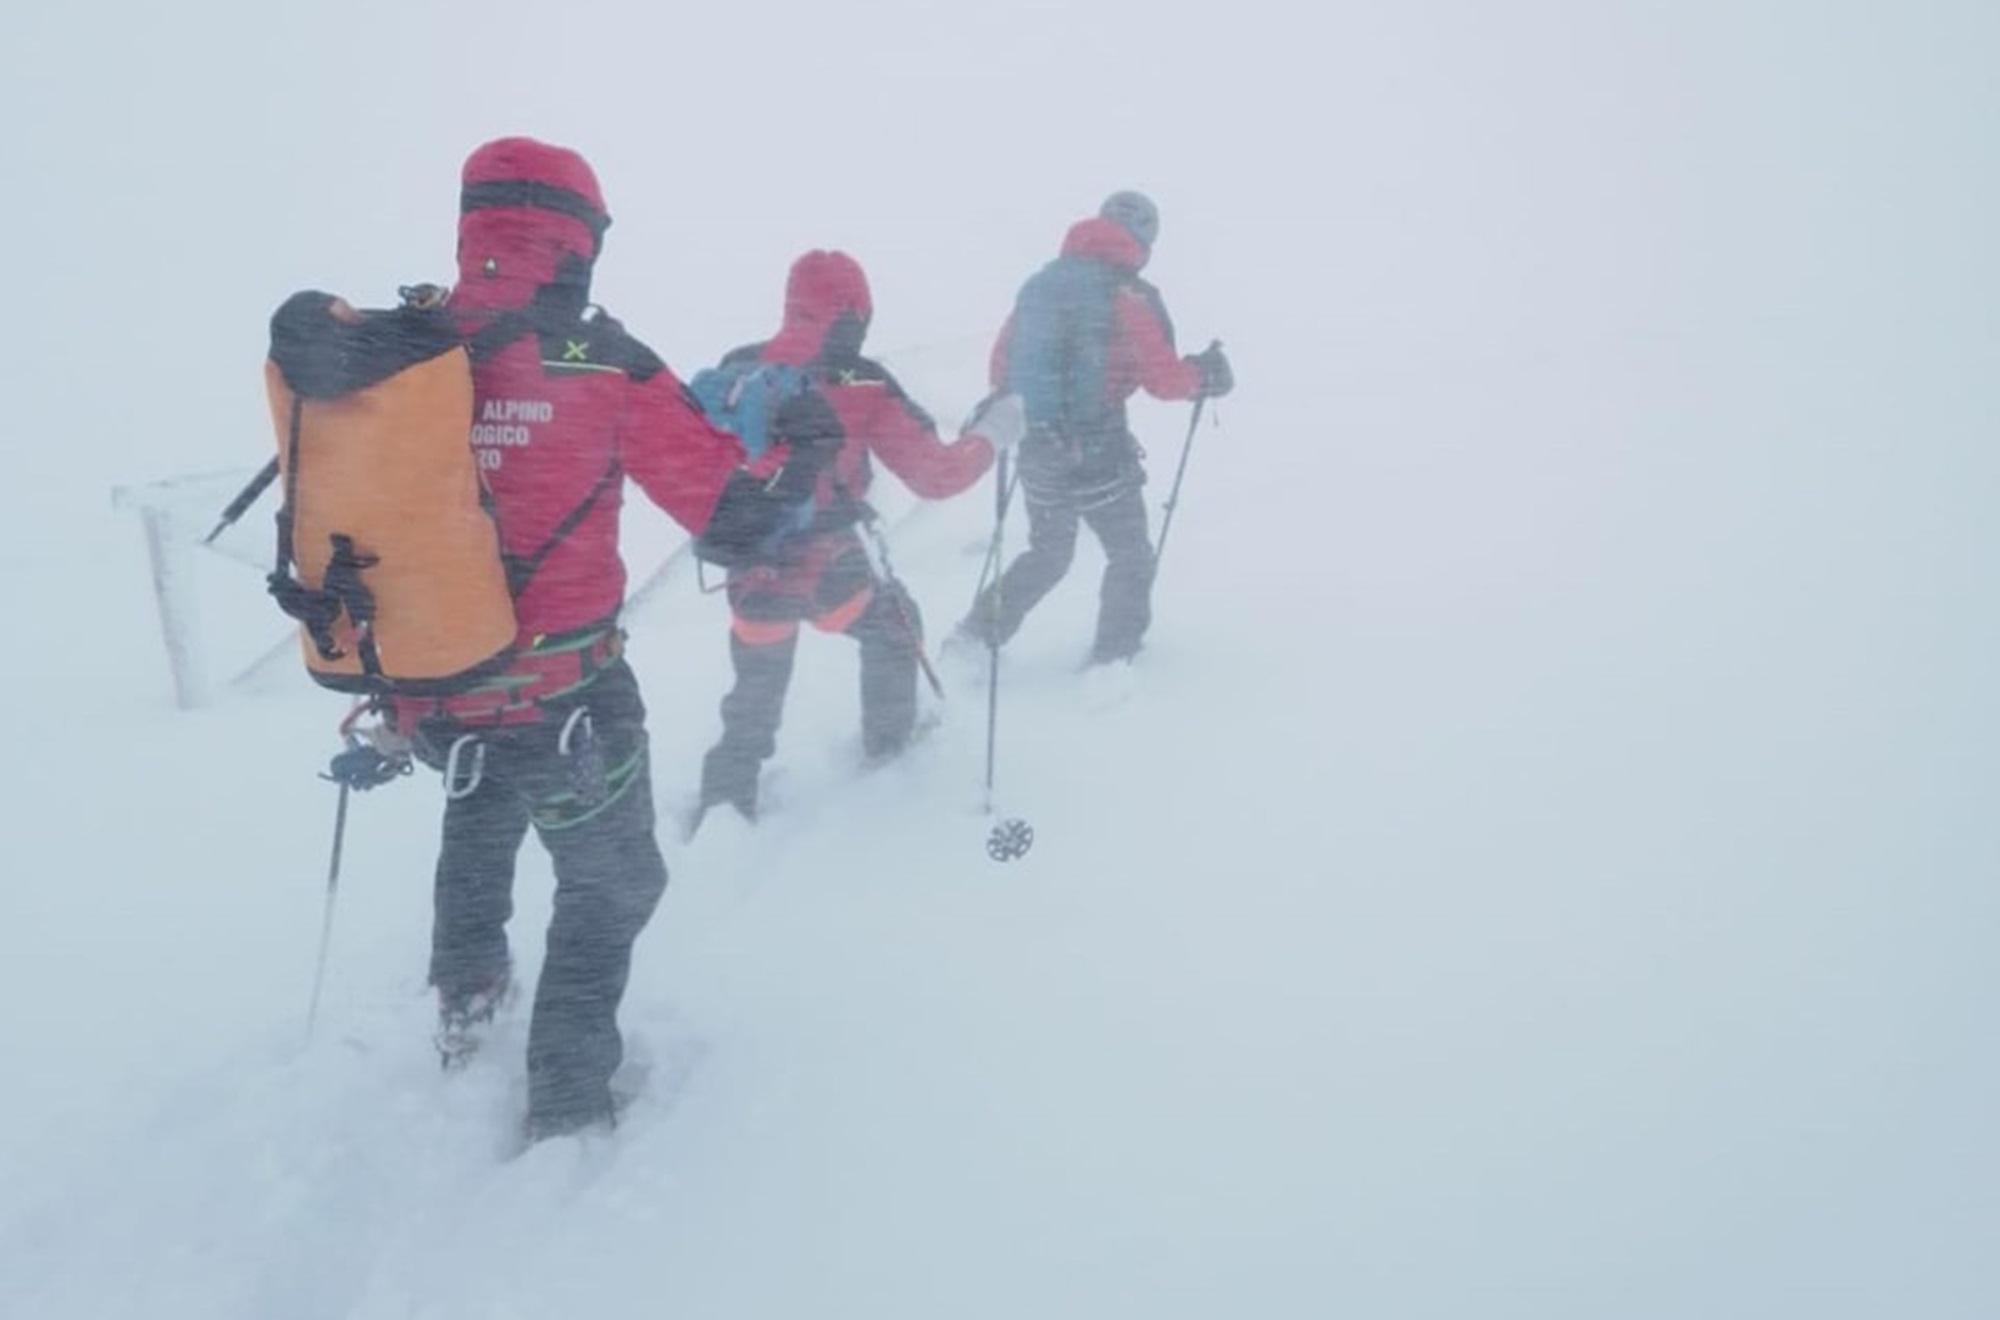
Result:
pixel 567 404
pixel 1086 332
pixel 823 575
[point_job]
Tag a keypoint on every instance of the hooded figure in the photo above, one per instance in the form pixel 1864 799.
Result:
pixel 1086 333
pixel 824 575
pixel 566 406
pixel 827 311
pixel 531 224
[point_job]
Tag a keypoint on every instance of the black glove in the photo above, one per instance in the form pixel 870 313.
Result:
pixel 1216 377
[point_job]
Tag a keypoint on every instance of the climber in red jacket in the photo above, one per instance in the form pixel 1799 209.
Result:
pixel 823 574
pixel 1086 334
pixel 567 404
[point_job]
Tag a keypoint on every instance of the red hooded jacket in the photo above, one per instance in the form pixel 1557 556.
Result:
pixel 566 405
pixel 827 309
pixel 1142 352
pixel 564 409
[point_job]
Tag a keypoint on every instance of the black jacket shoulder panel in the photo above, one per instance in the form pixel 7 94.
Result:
pixel 598 342
pixel 859 371
pixel 903 397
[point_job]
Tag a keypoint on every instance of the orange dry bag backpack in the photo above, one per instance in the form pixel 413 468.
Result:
pixel 387 555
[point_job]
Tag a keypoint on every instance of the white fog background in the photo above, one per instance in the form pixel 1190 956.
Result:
pixel 1543 865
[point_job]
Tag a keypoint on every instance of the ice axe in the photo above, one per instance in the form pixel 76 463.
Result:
pixel 244 499
pixel 877 548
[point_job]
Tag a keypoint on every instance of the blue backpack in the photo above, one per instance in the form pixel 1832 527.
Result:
pixel 743 396
pixel 1063 324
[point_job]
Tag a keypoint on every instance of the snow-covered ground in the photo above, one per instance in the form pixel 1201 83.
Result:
pixel 1396 957
pixel 1543 865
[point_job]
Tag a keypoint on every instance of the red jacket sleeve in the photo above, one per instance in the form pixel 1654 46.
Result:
pixel 678 458
pixel 907 443
pixel 1149 349
pixel 996 364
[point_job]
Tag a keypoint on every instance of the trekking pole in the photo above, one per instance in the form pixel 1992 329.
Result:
pixel 1174 496
pixel 244 499
pixel 326 920
pixel 1003 496
pixel 362 766
pixel 887 572
pixel 1010 838
pixel 1000 493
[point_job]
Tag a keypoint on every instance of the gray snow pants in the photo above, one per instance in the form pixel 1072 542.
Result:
pixel 1125 598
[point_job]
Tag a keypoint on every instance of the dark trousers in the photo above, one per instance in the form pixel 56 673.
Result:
pixel 888 631
pixel 597 823
pixel 1125 599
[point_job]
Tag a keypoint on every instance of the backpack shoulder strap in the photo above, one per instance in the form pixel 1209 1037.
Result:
pixel 497 334
pixel 521 570
pixel 867 371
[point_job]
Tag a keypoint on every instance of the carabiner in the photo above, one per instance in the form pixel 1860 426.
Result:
pixel 579 716
pixel 454 791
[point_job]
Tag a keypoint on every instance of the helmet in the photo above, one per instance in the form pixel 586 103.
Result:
pixel 1135 213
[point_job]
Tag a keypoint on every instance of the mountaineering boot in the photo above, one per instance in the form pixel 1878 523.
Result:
pixel 1125 598
pixel 874 758
pixel 464 1019
pixel 729 777
pixel 750 715
pixel 1105 655
pixel 596 1116
pixel 891 638
pixel 964 644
